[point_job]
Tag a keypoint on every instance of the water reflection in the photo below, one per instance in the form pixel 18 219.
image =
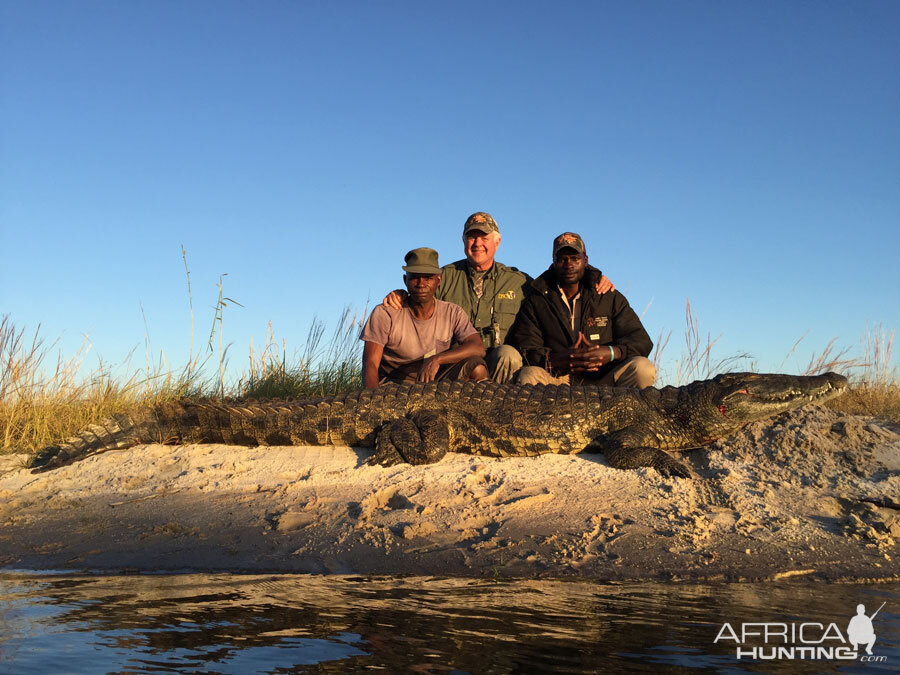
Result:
pixel 281 624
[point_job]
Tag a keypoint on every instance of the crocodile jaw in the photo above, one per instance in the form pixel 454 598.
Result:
pixel 748 397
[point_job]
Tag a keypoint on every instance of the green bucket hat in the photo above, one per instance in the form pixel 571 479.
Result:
pixel 422 261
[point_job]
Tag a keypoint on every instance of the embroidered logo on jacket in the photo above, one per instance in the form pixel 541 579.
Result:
pixel 598 321
pixel 508 295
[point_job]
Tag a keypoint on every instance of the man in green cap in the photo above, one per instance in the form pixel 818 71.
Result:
pixel 490 292
pixel 415 342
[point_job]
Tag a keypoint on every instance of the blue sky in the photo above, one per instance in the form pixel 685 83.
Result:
pixel 745 155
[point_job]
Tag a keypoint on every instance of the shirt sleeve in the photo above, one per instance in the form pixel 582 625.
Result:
pixel 526 334
pixel 462 327
pixel 378 327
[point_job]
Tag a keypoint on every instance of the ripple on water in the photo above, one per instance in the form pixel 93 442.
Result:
pixel 284 623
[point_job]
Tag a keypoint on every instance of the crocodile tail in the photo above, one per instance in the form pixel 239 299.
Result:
pixel 179 421
pixel 119 431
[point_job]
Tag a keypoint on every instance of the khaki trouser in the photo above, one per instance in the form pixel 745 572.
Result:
pixel 409 372
pixel 503 362
pixel 636 372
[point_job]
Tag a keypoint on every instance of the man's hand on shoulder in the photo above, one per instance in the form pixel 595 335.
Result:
pixel 396 298
pixel 604 285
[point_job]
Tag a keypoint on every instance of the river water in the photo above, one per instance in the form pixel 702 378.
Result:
pixel 226 623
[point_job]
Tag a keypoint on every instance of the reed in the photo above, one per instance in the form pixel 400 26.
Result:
pixel 320 369
pixel 874 390
pixel 45 398
pixel 697 360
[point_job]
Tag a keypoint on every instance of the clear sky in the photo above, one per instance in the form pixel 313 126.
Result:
pixel 745 155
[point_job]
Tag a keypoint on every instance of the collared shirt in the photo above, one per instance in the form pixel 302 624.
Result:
pixel 575 306
pixel 476 278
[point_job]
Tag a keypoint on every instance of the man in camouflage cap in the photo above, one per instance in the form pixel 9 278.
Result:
pixel 416 341
pixel 490 292
pixel 570 334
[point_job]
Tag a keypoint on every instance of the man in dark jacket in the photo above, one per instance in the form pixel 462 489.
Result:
pixel 568 334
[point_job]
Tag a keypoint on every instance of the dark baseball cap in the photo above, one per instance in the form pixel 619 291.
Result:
pixel 568 240
pixel 481 221
pixel 422 261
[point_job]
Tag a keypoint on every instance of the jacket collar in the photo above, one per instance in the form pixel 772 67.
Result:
pixel 547 280
pixel 463 266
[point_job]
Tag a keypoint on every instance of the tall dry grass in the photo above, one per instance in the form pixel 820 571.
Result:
pixel 45 398
pixel 873 391
pixel 323 367
pixel 697 360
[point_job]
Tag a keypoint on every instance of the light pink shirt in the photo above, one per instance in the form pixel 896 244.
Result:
pixel 406 338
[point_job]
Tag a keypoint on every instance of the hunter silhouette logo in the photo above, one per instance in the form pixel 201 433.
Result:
pixel 810 640
pixel 860 630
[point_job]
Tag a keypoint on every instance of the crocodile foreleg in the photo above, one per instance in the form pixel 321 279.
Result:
pixel 421 438
pixel 630 449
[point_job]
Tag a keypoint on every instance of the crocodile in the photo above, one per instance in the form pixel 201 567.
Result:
pixel 419 423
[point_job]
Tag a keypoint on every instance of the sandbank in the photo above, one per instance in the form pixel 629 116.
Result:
pixel 811 494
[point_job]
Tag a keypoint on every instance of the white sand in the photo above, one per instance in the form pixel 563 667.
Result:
pixel 785 498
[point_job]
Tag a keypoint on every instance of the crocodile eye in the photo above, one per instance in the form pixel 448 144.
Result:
pixel 722 409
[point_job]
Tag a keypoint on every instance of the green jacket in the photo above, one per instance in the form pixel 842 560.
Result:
pixel 504 289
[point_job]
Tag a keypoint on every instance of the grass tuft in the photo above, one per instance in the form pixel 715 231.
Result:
pixel 874 390
pixel 697 361
pixel 44 399
pixel 321 369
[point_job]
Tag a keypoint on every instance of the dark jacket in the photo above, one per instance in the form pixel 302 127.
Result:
pixel 544 324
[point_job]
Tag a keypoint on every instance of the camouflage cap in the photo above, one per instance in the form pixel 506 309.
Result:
pixel 482 221
pixel 568 240
pixel 422 261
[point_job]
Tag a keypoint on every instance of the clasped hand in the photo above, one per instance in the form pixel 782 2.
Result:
pixel 584 356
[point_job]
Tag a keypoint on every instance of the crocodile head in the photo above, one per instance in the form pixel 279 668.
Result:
pixel 724 404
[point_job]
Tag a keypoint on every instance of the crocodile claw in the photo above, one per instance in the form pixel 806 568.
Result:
pixel 383 459
pixel 43 456
pixel 670 467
